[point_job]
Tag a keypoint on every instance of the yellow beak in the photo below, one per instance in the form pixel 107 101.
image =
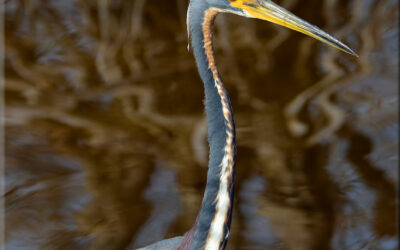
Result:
pixel 269 11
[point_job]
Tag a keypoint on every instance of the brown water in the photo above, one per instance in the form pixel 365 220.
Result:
pixel 106 136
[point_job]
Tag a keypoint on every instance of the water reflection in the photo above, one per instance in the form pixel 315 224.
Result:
pixel 106 139
pixel 166 207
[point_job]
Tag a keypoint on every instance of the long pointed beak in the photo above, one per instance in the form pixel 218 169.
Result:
pixel 269 11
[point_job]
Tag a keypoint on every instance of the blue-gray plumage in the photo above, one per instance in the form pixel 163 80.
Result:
pixel 211 229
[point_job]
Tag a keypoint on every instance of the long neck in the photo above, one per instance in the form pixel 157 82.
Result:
pixel 212 226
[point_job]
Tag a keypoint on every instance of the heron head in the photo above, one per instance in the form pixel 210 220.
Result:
pixel 269 11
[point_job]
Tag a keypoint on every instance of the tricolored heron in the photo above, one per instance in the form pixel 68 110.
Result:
pixel 211 229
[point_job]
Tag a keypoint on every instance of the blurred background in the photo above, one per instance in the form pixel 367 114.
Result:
pixel 106 136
